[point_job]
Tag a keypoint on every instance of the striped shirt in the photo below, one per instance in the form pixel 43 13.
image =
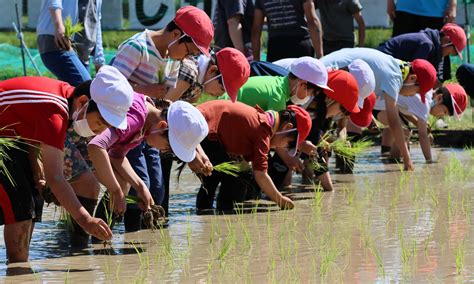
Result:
pixel 35 109
pixel 139 61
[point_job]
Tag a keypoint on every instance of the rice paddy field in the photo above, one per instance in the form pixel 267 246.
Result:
pixel 378 225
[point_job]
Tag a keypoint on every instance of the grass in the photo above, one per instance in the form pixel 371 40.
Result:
pixel 459 257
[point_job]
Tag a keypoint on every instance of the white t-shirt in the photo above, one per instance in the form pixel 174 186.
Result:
pixel 411 105
pixel 388 76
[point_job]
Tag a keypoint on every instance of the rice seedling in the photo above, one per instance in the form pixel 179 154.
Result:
pixel 70 29
pixel 349 194
pixel 8 143
pixel 66 278
pixel 232 168
pixel 378 260
pixel 460 253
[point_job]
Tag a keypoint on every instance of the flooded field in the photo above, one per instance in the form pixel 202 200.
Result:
pixel 378 225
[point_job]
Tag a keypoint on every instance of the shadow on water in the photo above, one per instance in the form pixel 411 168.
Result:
pixel 26 270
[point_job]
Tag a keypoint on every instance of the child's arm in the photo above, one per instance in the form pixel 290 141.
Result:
pixel 268 187
pixel 424 139
pixel 361 26
pixel 314 26
pixel 396 128
pixel 124 169
pixel 53 167
pixel 99 156
pixel 156 90
pixel 258 18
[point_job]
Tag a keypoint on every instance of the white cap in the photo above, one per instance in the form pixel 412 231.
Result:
pixel 312 70
pixel 113 95
pixel 187 127
pixel 365 79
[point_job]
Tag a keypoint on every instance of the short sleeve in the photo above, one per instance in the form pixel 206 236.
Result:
pixel 55 4
pixel 234 7
pixel 260 154
pixel 391 86
pixel 105 140
pixel 128 57
pixel 51 130
pixel 354 6
pixel 188 71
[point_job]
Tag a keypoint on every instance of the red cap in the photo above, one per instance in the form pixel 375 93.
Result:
pixel 235 70
pixel 303 124
pixel 457 36
pixel 345 89
pixel 425 76
pixel 364 117
pixel 459 98
pixel 197 25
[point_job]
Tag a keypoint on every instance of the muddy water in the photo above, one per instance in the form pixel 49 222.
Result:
pixel 378 225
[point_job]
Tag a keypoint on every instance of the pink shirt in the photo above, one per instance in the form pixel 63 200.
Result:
pixel 119 142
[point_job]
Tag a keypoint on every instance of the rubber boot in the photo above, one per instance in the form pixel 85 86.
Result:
pixel 78 237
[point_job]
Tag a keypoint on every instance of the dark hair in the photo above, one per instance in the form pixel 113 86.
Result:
pixel 289 116
pixel 171 26
pixel 447 100
pixel 312 87
pixel 321 110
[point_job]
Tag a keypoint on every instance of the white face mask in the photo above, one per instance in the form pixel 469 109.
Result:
pixel 81 126
pixel 296 100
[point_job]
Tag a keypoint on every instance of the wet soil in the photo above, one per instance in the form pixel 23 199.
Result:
pixel 378 225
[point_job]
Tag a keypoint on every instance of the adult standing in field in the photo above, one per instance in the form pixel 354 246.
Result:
pixel 233 24
pixel 337 19
pixel 465 76
pixel 289 33
pixel 36 112
pixel 411 16
pixel 150 60
pixel 55 47
pixel 89 41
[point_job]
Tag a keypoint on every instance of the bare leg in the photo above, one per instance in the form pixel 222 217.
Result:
pixel 326 181
pixel 17 240
pixel 86 185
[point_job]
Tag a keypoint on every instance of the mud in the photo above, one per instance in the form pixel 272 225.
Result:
pixel 378 225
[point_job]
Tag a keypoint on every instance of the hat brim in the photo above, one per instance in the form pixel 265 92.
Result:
pixel 119 122
pixel 360 102
pixel 232 93
pixel 183 153
pixel 325 87
pixel 202 48
pixel 458 52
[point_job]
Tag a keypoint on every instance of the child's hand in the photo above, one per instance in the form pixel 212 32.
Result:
pixel 118 203
pixel 286 203
pixel 146 200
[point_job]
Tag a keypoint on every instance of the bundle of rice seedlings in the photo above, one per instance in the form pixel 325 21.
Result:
pixel 5 144
pixel 232 168
pixel 70 29
pixel 348 150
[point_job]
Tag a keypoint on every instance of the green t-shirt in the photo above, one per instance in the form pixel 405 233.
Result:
pixel 269 92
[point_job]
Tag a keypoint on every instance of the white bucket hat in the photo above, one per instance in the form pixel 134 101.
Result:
pixel 312 70
pixel 365 79
pixel 187 127
pixel 113 95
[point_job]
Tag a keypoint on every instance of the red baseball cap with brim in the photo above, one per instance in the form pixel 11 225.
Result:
pixel 303 126
pixel 459 98
pixel 196 24
pixel 235 70
pixel 364 117
pixel 425 76
pixel 345 90
pixel 457 36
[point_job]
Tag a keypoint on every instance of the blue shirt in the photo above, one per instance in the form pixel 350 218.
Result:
pixel 388 76
pixel 69 8
pixel 425 44
pixel 427 8
pixel 45 23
